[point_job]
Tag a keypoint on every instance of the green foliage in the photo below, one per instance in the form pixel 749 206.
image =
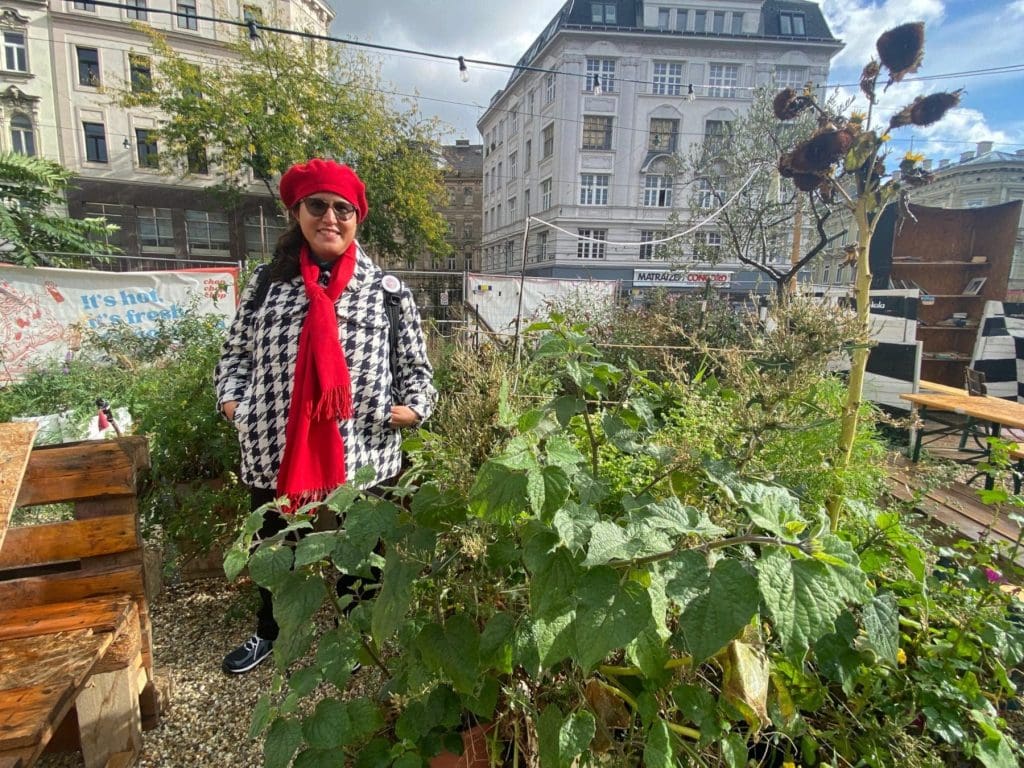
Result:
pixel 277 103
pixel 707 614
pixel 31 189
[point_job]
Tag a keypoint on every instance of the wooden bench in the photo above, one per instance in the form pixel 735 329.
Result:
pixel 76 654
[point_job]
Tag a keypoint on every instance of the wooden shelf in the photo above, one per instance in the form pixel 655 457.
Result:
pixel 897 263
pixel 930 358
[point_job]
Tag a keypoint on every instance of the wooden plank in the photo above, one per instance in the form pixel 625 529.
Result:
pixel 39 661
pixel 101 614
pixel 942 389
pixel 15 449
pixel 29 716
pixel 122 760
pixel 68 587
pixel 69 540
pixel 108 717
pixel 86 470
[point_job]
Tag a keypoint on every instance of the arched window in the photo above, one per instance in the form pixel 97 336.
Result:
pixel 23 139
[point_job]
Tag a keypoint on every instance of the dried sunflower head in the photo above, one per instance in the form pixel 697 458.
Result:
pixel 788 104
pixel 868 77
pixel 806 182
pixel 930 109
pixel 901 49
pixel 819 152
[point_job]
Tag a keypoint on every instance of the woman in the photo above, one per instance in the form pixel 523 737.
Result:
pixel 305 374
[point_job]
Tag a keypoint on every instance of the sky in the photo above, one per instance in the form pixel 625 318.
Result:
pixel 961 36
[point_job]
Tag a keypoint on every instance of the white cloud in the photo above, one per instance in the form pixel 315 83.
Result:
pixel 859 22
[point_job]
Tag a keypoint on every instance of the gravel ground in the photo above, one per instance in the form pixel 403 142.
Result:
pixel 207 721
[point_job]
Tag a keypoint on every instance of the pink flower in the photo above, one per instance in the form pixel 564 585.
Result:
pixel 993 576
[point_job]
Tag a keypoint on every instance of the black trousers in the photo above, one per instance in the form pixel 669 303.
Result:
pixel 274 522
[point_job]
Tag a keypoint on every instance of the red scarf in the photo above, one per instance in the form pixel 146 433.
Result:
pixel 314 454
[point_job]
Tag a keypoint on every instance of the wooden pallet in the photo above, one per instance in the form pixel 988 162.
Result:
pixel 955 506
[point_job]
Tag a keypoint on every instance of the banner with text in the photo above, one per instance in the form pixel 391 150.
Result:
pixel 43 310
pixel 680 278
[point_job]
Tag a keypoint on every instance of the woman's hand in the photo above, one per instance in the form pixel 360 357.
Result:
pixel 403 416
pixel 228 409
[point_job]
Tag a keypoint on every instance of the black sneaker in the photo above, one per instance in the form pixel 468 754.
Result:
pixel 248 655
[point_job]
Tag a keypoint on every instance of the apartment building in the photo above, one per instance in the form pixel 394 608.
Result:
pixel 586 132
pixel 74 51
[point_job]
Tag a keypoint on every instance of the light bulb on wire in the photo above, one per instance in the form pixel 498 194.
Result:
pixel 463 70
pixel 690 95
pixel 597 85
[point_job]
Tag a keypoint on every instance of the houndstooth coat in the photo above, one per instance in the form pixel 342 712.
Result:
pixel 257 368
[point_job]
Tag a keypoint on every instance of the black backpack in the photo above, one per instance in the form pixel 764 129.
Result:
pixel 392 302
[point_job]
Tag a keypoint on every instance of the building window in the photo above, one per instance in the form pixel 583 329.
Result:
pixel 664 135
pixel 513 165
pixel 262 231
pixel 791 77
pixel 467 196
pixel 513 205
pixel 791 23
pixel 826 274
pixel 467 231
pixel 597 132
pixel 668 78
pixel 603 71
pixel 706 197
pixel 545 194
pixel 657 191
pixel 975 202
pixel 737 23
pixel 136 10
pixel 146 149
pixel 547 141
pixel 113 213
pixel 526 202
pixel 252 13
pixel 187 15
pixel 528 155
pixel 718 22
pixel 663 14
pixel 722 80
pixel 700 21
pixel 513 121
pixel 648 250
pixel 531 99
pixel 198 162
pixel 708 239
pixel 207 231
pixel 15 52
pixel 715 133
pixel 542 246
pixel 155 227
pixel 95 142
pixel 594 189
pixel 85 6
pixel 88 66
pixel 602 13
pixel 509 250
pixel 23 138
pixel 840 274
pixel 549 87
pixel 501 175
pixel 141 73
pixel 588 248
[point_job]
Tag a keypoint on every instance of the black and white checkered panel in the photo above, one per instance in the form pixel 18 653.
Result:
pixel 999 349
pixel 894 364
pixel 257 368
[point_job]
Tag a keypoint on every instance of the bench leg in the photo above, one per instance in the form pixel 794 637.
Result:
pixel 109 721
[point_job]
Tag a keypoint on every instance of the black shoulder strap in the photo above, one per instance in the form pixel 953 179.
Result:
pixel 393 308
pixel 262 288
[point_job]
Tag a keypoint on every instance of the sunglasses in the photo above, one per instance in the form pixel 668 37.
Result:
pixel 317 207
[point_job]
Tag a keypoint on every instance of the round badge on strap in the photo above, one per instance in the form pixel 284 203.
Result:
pixel 391 284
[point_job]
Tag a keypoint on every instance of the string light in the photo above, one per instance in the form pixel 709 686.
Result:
pixel 690 95
pixel 463 70
pixel 254 34
pixel 126 144
pixel 597 85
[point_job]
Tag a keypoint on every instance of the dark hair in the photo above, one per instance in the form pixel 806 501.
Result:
pixel 285 264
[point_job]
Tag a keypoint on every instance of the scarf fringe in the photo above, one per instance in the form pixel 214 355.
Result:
pixel 335 403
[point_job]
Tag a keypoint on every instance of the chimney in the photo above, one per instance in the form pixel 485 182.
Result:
pixel 944 163
pixel 462 142
pixel 965 156
pixel 927 164
pixel 984 147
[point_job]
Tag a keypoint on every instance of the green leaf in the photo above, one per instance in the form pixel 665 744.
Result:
pixel 433 506
pixel 769 506
pixel 734 750
pixel 699 707
pixel 574 523
pixel 561 452
pixel 269 563
pixel 364 718
pixel 296 598
pixel 336 653
pixel 283 738
pixel 673 517
pixel 553 587
pixel 562 741
pixel 327 727
pixel 801 599
pixel 566 407
pixel 376 754
pixel 506 417
pixel 658 747
pixel 320 758
pixel 548 726
pixel 390 607
pixel 686 576
pixel 881 622
pixel 608 541
pixel 610 614
pixel 554 639
pixel 495 642
pixel 556 490
pixel 261 715
pixel 461 658
pixel 304 680
pixel 720 612
pixel 499 493
pixel 234 561
pixel 314 547
pixel 535 490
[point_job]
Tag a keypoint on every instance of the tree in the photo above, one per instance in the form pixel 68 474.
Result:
pixel 844 160
pixel 31 232
pixel 758 228
pixel 276 102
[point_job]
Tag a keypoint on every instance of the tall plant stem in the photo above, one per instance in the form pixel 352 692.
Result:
pixel 859 358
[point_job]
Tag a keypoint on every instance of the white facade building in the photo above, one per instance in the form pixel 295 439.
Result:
pixel 28 121
pixel 595 161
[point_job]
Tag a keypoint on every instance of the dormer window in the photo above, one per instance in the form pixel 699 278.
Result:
pixel 791 23
pixel 602 13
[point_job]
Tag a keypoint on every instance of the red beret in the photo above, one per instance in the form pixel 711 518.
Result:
pixel 303 179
